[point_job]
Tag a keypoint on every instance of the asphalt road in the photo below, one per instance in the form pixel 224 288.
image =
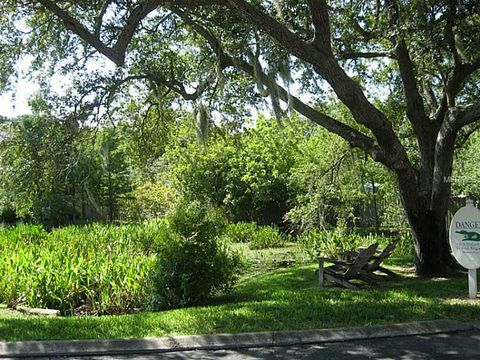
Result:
pixel 463 345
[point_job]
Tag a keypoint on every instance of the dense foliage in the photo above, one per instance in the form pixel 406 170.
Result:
pixel 188 271
pixel 285 173
pixel 314 243
pixel 95 269
pixel 57 172
pixel 112 269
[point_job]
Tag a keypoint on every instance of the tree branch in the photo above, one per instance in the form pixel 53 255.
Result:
pixel 99 18
pixel 347 89
pixel 354 137
pixel 321 23
pixel 76 27
pixel 463 136
pixel 466 115
pixel 117 52
pixel 279 32
pixel 424 129
pixel 449 35
pixel 365 55
pixel 461 72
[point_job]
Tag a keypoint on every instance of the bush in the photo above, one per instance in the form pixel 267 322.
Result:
pixel 196 219
pixel 314 243
pixel 405 245
pixel 267 237
pixel 8 215
pixel 190 270
pixel 241 232
pixel 149 201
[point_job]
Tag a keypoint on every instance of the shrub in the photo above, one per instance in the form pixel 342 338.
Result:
pixel 196 219
pixel 405 244
pixel 190 270
pixel 149 201
pixel 241 232
pixel 404 239
pixel 267 237
pixel 314 243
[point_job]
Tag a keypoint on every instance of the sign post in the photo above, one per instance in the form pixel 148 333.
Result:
pixel 465 242
pixel 472 283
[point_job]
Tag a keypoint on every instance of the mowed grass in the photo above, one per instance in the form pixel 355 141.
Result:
pixel 282 299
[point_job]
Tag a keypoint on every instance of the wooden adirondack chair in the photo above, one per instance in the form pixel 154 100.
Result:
pixel 343 271
pixel 368 271
pixel 377 260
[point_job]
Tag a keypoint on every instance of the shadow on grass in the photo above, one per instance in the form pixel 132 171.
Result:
pixel 286 299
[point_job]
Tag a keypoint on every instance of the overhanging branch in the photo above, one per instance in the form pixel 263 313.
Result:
pixel 117 52
pixel 351 135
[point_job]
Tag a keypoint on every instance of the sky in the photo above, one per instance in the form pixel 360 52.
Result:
pixel 12 106
pixel 15 103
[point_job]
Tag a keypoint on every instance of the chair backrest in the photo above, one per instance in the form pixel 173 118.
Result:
pixel 360 261
pixel 383 255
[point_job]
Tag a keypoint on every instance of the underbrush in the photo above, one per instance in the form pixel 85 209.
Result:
pixel 180 261
pixel 107 269
pixel 258 237
pixel 315 243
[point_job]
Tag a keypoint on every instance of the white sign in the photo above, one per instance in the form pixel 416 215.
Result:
pixel 465 236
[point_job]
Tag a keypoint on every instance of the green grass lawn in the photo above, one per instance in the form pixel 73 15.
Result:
pixel 282 299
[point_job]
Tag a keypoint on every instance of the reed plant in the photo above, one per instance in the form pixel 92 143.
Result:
pixel 94 269
pixel 110 269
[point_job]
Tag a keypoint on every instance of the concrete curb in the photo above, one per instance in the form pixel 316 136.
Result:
pixel 25 349
pixel 476 325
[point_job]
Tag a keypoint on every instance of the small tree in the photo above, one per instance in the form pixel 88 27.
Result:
pixel 114 175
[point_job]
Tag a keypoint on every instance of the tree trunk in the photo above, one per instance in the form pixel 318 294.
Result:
pixel 432 251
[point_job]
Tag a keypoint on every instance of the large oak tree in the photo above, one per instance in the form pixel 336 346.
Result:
pixel 422 55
